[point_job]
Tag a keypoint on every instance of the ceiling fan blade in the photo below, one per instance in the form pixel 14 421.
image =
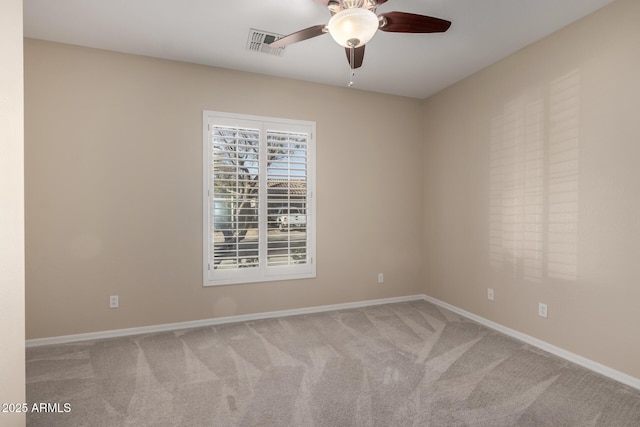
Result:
pixel 298 36
pixel 403 22
pixel 358 56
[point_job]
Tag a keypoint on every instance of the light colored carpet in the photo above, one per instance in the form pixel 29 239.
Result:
pixel 405 364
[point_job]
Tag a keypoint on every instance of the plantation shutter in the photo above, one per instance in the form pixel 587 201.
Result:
pixel 287 195
pixel 259 210
pixel 235 210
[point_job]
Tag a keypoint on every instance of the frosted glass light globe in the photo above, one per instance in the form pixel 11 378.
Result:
pixel 353 27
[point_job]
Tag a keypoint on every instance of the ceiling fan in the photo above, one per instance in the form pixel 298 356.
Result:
pixel 354 22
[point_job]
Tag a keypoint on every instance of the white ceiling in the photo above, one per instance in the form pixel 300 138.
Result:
pixel 215 32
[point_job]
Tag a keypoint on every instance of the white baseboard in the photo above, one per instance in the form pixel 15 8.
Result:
pixel 214 321
pixel 549 348
pixel 567 355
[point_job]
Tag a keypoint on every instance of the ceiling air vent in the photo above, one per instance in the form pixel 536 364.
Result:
pixel 259 42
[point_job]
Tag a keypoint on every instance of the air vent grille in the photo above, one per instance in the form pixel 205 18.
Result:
pixel 259 42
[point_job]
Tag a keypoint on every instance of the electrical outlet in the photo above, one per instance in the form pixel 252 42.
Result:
pixel 113 301
pixel 542 310
pixel 490 294
pixel 380 278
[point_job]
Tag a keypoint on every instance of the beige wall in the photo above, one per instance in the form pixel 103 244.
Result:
pixel 113 190
pixel 532 188
pixel 12 364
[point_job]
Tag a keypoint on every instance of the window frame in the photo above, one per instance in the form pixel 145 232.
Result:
pixel 263 273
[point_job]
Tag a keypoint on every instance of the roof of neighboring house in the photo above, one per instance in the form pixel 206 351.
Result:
pixel 282 186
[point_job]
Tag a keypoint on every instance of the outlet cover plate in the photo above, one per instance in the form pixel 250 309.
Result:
pixel 542 310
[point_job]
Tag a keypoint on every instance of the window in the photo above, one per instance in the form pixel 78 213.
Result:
pixel 259 210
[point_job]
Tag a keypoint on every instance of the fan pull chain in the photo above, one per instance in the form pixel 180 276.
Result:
pixel 352 71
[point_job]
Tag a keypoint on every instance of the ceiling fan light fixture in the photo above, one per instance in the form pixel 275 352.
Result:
pixel 353 27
